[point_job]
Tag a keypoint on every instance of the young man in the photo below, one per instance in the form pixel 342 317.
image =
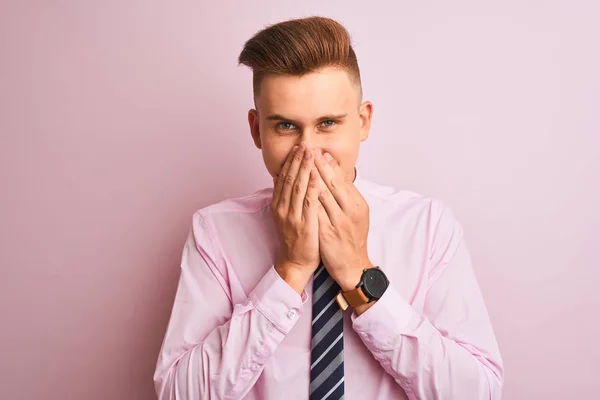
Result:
pixel 325 285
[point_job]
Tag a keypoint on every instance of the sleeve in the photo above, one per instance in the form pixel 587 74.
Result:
pixel 449 351
pixel 213 349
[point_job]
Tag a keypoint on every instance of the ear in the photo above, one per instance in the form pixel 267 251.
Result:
pixel 253 121
pixel 365 113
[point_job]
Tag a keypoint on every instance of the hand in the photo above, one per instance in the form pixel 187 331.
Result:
pixel 295 211
pixel 343 225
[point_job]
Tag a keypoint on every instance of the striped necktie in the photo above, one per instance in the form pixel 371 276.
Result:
pixel 327 346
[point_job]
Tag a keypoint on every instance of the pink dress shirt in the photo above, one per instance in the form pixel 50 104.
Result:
pixel 238 331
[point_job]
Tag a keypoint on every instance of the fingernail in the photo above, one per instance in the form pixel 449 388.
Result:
pixel 328 157
pixel 294 148
pixel 319 154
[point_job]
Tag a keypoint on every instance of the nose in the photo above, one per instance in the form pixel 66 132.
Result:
pixel 309 140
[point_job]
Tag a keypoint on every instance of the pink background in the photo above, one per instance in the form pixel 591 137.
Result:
pixel 118 119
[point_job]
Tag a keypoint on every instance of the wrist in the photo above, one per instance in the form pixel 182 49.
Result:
pixel 296 277
pixel 351 279
pixel 361 289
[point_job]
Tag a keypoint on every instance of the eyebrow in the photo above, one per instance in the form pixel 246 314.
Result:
pixel 278 117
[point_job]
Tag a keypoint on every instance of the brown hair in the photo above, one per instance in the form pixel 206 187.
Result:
pixel 298 47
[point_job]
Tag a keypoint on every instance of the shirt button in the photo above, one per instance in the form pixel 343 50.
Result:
pixel 254 367
pixel 364 335
pixel 291 314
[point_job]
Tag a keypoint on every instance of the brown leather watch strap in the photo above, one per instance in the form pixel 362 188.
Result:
pixel 353 298
pixel 356 297
pixel 341 300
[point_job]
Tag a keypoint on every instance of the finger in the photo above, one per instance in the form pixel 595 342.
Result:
pixel 352 190
pixel 311 205
pixel 300 187
pixel 324 221
pixel 333 163
pixel 337 170
pixel 281 177
pixel 330 205
pixel 334 179
pixel 290 179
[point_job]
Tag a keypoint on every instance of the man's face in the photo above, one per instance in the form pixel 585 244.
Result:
pixel 321 109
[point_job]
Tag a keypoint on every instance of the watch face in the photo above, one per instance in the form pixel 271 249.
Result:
pixel 375 283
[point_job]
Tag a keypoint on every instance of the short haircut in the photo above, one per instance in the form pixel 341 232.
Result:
pixel 297 47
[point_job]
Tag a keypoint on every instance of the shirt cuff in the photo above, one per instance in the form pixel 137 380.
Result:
pixel 277 301
pixel 385 320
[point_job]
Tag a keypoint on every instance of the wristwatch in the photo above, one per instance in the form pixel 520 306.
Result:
pixel 371 287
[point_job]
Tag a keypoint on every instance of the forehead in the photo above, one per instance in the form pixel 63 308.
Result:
pixel 329 90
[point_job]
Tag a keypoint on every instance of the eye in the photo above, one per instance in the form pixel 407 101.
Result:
pixel 328 123
pixel 286 126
